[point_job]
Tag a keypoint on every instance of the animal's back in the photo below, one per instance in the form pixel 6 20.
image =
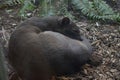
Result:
pixel 65 55
pixel 26 55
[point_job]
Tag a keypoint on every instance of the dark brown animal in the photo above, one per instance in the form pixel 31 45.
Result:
pixel 37 54
pixel 62 25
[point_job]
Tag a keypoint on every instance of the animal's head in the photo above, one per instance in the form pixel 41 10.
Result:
pixel 65 26
pixel 69 28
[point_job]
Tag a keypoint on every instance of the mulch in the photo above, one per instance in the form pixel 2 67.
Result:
pixel 105 39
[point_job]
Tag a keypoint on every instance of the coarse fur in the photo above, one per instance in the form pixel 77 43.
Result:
pixel 59 24
pixel 37 53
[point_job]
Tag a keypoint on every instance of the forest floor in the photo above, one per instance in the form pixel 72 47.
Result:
pixel 105 39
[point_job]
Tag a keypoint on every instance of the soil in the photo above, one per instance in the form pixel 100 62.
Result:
pixel 105 39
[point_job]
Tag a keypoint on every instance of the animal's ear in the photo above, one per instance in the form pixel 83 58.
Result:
pixel 65 21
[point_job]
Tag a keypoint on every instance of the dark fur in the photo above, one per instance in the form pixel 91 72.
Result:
pixel 37 55
pixel 57 24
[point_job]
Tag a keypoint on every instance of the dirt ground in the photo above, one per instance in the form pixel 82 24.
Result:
pixel 105 40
